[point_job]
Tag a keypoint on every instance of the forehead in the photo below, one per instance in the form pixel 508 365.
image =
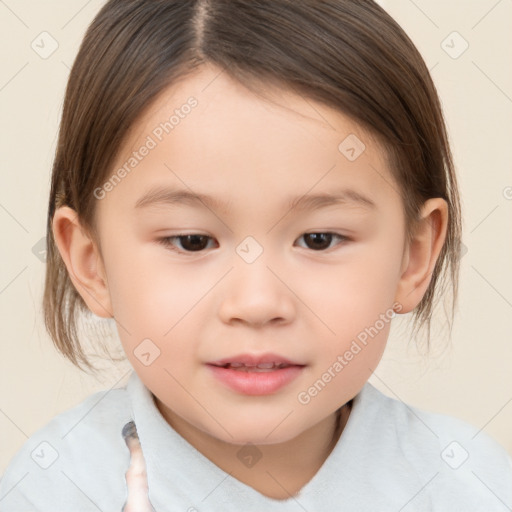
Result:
pixel 209 134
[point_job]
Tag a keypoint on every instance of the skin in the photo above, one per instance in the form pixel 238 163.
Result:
pixel 253 154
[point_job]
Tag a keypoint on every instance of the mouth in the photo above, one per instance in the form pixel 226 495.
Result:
pixel 255 362
pixel 262 367
pixel 255 375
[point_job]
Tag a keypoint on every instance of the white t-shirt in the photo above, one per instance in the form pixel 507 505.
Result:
pixel 390 457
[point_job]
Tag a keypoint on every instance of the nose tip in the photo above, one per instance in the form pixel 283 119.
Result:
pixel 254 295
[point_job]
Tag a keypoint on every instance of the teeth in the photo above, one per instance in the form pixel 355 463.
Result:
pixel 266 365
pixel 253 367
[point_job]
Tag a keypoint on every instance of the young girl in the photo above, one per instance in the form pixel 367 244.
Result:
pixel 252 190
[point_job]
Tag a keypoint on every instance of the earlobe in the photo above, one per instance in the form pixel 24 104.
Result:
pixel 83 261
pixel 422 253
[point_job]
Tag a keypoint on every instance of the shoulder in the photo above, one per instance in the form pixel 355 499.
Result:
pixel 461 466
pixel 56 463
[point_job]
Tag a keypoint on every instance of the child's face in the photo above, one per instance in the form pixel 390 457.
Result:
pixel 305 299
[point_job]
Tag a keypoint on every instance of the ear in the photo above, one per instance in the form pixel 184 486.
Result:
pixel 83 261
pixel 421 254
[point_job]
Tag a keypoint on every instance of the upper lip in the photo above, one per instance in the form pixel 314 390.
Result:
pixel 255 359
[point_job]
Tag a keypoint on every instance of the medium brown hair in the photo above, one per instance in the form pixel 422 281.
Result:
pixel 347 54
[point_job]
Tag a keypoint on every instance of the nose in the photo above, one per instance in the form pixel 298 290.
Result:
pixel 255 295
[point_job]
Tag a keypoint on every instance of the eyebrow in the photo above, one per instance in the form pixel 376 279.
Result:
pixel 163 196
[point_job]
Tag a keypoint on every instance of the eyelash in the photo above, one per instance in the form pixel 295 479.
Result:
pixel 168 240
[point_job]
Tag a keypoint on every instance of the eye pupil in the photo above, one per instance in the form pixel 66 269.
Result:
pixel 320 240
pixel 194 242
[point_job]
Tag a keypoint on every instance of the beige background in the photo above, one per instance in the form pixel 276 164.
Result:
pixel 469 376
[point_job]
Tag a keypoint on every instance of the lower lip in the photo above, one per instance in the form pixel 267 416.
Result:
pixel 256 383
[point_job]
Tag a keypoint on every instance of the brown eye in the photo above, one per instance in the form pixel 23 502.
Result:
pixel 321 241
pixel 188 243
pixel 194 242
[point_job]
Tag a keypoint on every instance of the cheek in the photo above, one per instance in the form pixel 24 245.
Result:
pixel 353 302
pixel 151 291
pixel 349 296
pixel 347 360
pixel 156 302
